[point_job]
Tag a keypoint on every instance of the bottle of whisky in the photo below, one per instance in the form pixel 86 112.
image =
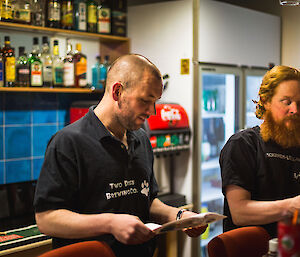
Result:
pixel 104 18
pixel 22 69
pixel 36 66
pixel 67 18
pixel 6 10
pixel 9 63
pixel 80 67
pixel 69 67
pixel 53 10
pixel 37 14
pixel 22 12
pixel 1 69
pixel 80 12
pixel 57 66
pixel 46 59
pixel 92 16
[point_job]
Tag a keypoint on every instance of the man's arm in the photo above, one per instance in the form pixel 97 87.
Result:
pixel 245 211
pixel 63 223
pixel 162 213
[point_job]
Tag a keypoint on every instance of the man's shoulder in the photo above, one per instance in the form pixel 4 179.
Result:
pixel 248 134
pixel 68 133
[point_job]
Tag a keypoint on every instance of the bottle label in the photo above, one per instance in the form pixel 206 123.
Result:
pixel 92 14
pixel 104 20
pixel 6 12
pixel 10 69
pixel 82 16
pixel 36 74
pixel 54 11
pixel 47 72
pixel 67 14
pixel 23 71
pixel 80 69
pixel 58 76
pixel 68 74
pixel 1 74
pixel 22 15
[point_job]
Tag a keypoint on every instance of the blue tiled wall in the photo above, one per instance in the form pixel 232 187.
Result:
pixel 27 122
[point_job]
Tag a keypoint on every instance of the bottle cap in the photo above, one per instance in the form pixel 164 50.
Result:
pixel 55 42
pixel 273 245
pixel 78 47
pixel 45 40
pixel 6 38
pixel 21 50
pixel 35 40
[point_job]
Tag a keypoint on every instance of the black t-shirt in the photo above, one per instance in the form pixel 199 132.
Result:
pixel 88 171
pixel 265 169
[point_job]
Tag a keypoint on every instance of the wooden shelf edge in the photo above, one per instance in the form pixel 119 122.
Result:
pixel 49 90
pixel 24 27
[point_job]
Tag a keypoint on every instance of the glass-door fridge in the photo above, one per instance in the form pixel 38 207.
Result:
pixel 252 80
pixel 221 94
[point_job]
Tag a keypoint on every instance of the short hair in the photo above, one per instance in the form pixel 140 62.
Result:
pixel 270 81
pixel 129 68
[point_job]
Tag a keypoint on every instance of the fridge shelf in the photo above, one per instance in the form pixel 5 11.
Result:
pixel 210 164
pixel 210 193
pixel 206 115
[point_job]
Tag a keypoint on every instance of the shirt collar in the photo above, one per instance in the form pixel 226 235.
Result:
pixel 102 132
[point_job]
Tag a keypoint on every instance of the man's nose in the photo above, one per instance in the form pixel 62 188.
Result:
pixel 151 110
pixel 294 107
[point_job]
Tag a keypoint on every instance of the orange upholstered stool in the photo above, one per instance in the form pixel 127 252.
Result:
pixel 82 249
pixel 240 242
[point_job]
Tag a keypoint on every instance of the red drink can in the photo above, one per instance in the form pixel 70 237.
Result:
pixel 288 239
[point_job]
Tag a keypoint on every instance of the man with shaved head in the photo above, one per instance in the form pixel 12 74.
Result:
pixel 97 180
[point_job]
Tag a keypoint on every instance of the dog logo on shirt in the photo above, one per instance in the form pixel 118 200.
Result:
pixel 145 188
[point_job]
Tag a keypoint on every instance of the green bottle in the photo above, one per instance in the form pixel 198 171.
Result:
pixel 92 16
pixel 36 66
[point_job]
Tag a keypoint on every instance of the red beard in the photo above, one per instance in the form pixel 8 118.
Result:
pixel 279 132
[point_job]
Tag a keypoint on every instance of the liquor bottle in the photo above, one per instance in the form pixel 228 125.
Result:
pixel 1 70
pixel 53 10
pixel 22 12
pixel 103 70
pixel 67 19
pixel 9 63
pixel 36 66
pixel 80 67
pixel 57 66
pixel 119 18
pixel 6 10
pixel 92 16
pixel 80 15
pixel 37 14
pixel 104 18
pixel 46 59
pixel 96 84
pixel 22 69
pixel 69 67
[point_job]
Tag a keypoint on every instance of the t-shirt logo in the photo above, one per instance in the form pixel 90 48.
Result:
pixel 297 175
pixel 145 188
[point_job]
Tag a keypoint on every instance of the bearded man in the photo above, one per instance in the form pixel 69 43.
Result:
pixel 260 166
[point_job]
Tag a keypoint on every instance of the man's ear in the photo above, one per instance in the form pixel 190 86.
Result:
pixel 116 90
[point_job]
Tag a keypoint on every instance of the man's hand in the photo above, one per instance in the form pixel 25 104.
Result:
pixel 196 231
pixel 129 229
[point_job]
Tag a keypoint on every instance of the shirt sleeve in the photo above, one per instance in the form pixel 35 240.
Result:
pixel 237 162
pixel 57 186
